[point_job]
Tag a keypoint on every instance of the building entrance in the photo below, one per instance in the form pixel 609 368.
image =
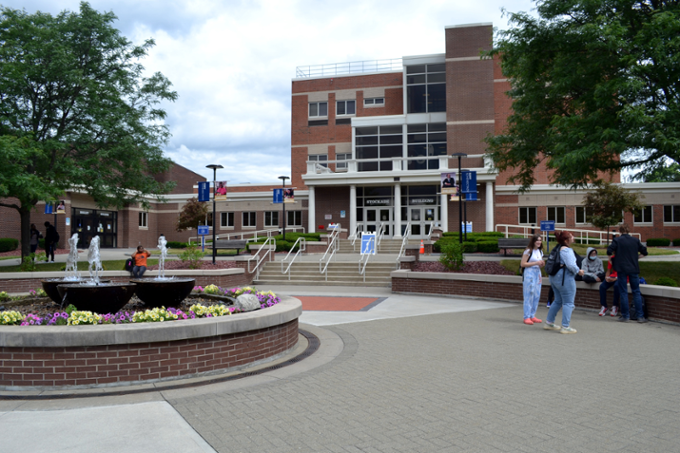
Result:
pixel 89 223
pixel 373 217
pixel 422 220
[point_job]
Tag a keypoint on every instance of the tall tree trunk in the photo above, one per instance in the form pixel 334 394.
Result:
pixel 25 216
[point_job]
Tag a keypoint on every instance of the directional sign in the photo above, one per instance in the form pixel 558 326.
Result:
pixel 203 230
pixel 204 191
pixel 278 196
pixel 547 225
pixel 469 181
pixel 368 243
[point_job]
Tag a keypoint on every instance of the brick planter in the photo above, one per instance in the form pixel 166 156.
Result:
pixel 663 303
pixel 48 357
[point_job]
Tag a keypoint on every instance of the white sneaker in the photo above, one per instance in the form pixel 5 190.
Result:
pixel 603 311
pixel 568 330
pixel 615 310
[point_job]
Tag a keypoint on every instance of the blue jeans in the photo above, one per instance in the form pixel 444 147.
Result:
pixel 564 297
pixel 138 271
pixel 604 286
pixel 531 291
pixel 634 281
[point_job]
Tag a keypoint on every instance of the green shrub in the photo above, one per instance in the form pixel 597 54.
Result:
pixel 666 281
pixel 676 242
pixel 488 246
pixel 484 234
pixel 285 246
pixel 8 244
pixel 176 245
pixel 452 255
pixel 658 242
pixel 192 255
pixel 469 247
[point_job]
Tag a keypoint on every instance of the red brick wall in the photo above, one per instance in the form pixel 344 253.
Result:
pixel 112 364
pixel 332 200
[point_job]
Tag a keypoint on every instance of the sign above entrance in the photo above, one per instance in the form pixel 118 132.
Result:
pixel 377 201
pixel 423 200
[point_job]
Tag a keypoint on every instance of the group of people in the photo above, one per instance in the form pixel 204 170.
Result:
pixel 51 239
pixel 622 269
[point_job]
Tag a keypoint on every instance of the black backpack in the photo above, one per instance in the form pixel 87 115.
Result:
pixel 553 264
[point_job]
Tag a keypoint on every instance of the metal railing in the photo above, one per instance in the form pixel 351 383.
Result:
pixel 580 235
pixel 353 67
pixel 302 247
pixel 258 234
pixel 363 261
pixel 268 245
pixel 379 235
pixel 333 246
pixel 404 241
pixel 429 234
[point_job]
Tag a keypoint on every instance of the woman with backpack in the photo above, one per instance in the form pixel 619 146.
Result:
pixel 532 262
pixel 562 271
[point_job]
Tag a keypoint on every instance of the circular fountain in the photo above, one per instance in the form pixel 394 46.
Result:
pixel 100 296
pixel 163 291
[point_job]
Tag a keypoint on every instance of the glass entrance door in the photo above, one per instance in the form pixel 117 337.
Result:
pixel 373 217
pixel 422 219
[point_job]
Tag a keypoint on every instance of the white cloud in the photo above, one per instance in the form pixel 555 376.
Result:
pixel 232 62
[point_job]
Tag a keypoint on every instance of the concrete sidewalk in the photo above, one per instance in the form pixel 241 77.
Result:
pixel 425 374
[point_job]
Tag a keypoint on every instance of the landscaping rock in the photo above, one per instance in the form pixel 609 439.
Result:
pixel 247 302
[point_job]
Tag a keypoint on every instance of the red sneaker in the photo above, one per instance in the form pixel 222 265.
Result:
pixel 536 320
pixel 615 310
pixel 603 311
pixel 528 322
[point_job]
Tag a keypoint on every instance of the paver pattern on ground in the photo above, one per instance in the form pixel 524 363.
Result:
pixel 476 381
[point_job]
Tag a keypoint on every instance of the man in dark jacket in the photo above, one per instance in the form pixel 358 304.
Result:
pixel 51 238
pixel 626 248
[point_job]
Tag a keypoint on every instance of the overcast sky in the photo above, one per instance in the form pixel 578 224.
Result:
pixel 232 62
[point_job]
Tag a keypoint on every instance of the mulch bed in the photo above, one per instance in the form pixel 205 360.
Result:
pixel 179 265
pixel 470 267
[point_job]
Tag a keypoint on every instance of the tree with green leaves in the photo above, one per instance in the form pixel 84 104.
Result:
pixel 192 215
pixel 594 87
pixel 77 112
pixel 669 173
pixel 607 202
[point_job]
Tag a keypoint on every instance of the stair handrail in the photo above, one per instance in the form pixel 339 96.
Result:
pixel 404 241
pixel 429 235
pixel 303 247
pixel 333 245
pixel 379 234
pixel 354 239
pixel 363 261
pixel 267 246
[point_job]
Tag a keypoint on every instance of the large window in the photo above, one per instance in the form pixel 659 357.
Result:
pixel 271 218
pixel 426 88
pixel 556 214
pixel 143 220
pixel 671 214
pixel 321 159
pixel 583 215
pixel 294 218
pixel 249 219
pixel 374 102
pixel 644 215
pixel 318 109
pixel 376 146
pixel 527 215
pixel 426 140
pixel 341 165
pixel 227 219
pixel 345 108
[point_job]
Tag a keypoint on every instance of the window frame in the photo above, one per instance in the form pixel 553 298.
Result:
pixel 269 222
pixel 318 159
pixel 252 216
pixel 229 217
pixel 345 102
pixel 294 214
pixel 648 209
pixel 341 162
pixel 672 208
pixel 528 217
pixel 556 217
pixel 373 102
pixel 587 214
pixel 143 220
pixel 317 104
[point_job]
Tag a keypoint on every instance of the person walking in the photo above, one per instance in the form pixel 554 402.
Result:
pixel 564 285
pixel 51 239
pixel 609 281
pixel 628 250
pixel 532 262
pixel 139 258
pixel 35 238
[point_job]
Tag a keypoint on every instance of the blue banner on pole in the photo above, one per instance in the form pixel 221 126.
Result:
pixel 49 208
pixel 278 196
pixel 204 191
pixel 203 230
pixel 469 181
pixel 470 196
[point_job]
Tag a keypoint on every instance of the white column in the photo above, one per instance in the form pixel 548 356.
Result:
pixel 311 211
pixel 352 209
pixel 444 221
pixel 397 211
pixel 489 207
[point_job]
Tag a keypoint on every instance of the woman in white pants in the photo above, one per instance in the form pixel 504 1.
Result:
pixel 532 262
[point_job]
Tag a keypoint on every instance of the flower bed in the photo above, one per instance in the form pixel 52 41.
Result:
pixel 73 317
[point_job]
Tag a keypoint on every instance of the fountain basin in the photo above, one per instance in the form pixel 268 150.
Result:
pixel 50 287
pixel 163 292
pixel 102 299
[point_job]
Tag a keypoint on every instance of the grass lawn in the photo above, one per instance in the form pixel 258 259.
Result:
pixel 113 265
pixel 650 270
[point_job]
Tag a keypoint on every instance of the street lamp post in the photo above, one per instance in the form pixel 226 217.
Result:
pixel 214 223
pixel 283 179
pixel 460 196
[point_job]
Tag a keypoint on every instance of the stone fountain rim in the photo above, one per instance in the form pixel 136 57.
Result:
pixel 287 310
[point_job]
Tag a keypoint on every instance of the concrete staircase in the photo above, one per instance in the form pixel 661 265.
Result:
pixel 386 247
pixel 340 273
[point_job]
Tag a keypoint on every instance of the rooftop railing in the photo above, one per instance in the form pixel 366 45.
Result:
pixel 353 67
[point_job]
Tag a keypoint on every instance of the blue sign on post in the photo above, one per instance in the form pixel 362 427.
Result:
pixel 203 230
pixel 469 181
pixel 278 196
pixel 547 225
pixel 203 192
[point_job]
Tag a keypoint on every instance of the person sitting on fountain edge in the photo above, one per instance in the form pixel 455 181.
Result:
pixel 139 258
